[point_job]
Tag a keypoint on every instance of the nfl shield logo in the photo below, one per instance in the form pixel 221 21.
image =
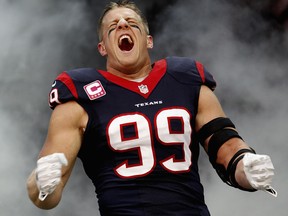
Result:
pixel 143 89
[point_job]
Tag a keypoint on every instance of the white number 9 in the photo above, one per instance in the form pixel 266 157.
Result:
pixel 142 141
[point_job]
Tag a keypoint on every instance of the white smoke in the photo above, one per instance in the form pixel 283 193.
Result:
pixel 41 38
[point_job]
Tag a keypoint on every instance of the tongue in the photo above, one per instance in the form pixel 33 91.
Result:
pixel 125 45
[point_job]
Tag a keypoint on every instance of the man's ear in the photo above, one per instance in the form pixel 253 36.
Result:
pixel 149 42
pixel 102 49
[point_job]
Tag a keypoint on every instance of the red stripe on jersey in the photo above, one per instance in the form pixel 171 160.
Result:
pixel 67 80
pixel 144 87
pixel 200 69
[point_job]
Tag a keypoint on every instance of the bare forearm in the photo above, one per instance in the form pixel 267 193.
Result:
pixel 50 202
pixel 231 156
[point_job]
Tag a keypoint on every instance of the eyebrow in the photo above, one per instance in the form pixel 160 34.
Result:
pixel 115 21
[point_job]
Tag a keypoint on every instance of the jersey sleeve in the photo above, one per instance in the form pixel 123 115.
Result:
pixel 188 71
pixel 63 90
pixel 206 77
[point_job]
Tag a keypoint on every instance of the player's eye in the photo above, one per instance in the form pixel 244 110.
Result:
pixel 134 24
pixel 111 28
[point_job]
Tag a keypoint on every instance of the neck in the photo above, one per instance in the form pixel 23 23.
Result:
pixel 131 73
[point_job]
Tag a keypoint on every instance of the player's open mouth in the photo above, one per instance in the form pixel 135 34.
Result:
pixel 125 43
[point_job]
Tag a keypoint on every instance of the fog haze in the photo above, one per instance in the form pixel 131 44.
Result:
pixel 245 53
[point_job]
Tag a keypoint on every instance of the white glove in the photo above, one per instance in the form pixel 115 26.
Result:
pixel 259 171
pixel 48 173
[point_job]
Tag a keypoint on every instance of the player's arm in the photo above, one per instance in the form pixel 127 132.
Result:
pixel 58 155
pixel 226 149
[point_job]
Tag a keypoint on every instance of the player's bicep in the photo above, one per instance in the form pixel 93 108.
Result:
pixel 219 136
pixel 209 108
pixel 65 133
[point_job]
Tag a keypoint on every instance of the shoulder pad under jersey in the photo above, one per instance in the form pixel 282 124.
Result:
pixel 76 85
pixel 189 71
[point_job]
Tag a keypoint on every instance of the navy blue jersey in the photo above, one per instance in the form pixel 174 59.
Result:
pixel 139 147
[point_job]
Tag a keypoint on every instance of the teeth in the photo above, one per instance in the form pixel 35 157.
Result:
pixel 125 37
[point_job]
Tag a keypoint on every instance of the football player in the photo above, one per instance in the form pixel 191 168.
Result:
pixel 137 125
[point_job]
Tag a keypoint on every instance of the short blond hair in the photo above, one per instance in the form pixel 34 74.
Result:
pixel 121 3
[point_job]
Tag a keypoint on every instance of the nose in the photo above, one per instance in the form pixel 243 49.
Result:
pixel 122 24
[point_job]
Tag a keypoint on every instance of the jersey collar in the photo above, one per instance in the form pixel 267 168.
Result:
pixel 146 86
